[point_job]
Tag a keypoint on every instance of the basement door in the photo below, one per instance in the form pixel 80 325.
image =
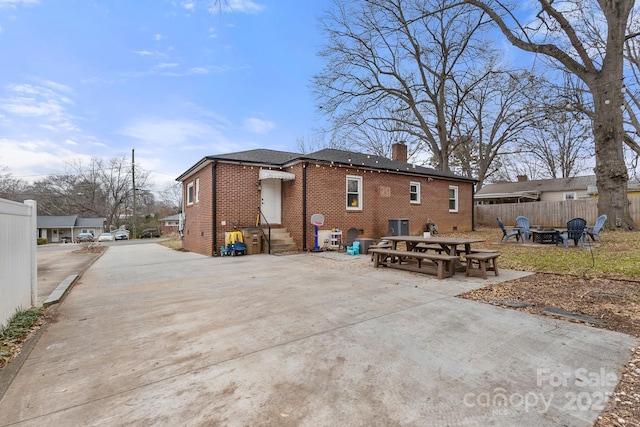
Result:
pixel 271 203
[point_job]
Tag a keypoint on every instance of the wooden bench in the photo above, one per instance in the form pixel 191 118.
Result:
pixel 483 251
pixel 486 261
pixel 444 263
pixel 423 247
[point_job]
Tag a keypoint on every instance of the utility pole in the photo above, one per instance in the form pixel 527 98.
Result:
pixel 133 182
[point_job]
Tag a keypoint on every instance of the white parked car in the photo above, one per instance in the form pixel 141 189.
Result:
pixel 105 237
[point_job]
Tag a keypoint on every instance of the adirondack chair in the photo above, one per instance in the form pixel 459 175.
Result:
pixel 594 231
pixel 523 224
pixel 509 232
pixel 576 231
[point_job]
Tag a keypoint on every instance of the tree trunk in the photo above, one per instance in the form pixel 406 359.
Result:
pixel 611 171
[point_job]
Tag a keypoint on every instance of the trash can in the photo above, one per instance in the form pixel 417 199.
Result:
pixel 365 242
pixel 252 237
pixel 399 227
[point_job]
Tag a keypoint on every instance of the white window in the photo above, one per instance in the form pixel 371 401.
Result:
pixel 197 190
pixel 569 196
pixel 453 198
pixel 354 193
pixel 414 192
pixel 190 193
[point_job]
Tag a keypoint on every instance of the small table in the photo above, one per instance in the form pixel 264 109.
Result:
pixel 545 236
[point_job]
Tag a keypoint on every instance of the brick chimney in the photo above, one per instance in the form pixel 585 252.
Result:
pixel 523 178
pixel 399 152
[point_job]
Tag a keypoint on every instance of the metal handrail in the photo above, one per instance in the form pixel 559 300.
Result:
pixel 267 238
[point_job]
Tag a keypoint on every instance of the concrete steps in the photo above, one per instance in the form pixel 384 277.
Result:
pixel 281 241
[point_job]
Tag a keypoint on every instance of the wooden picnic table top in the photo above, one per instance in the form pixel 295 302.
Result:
pixel 434 239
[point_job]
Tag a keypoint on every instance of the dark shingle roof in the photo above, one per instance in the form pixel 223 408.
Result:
pixel 375 162
pixel 67 221
pixel 89 222
pixel 271 157
pixel 541 185
pixel 282 158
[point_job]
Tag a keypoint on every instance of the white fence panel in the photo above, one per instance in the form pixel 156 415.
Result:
pixel 18 262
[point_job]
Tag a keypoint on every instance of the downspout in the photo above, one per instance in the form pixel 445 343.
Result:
pixel 473 207
pixel 214 206
pixel 304 206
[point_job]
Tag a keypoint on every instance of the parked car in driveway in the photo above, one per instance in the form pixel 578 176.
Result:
pixel 85 237
pixel 105 237
pixel 121 235
pixel 148 233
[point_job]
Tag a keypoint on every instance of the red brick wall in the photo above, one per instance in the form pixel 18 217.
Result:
pixel 385 196
pixel 238 200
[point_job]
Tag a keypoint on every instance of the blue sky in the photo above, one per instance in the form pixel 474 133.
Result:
pixel 171 78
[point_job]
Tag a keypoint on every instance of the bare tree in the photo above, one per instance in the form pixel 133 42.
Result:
pixel 496 113
pixel 560 144
pixel 563 31
pixel 171 196
pixel 11 188
pixel 387 63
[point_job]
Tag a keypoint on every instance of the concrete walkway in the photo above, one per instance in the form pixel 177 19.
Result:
pixel 151 336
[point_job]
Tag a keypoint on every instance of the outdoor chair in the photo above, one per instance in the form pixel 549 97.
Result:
pixel 523 224
pixel 594 231
pixel 576 231
pixel 354 249
pixel 509 232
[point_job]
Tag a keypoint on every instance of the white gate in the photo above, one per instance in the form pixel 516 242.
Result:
pixel 18 262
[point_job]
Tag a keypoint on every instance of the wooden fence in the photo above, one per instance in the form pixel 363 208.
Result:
pixel 547 214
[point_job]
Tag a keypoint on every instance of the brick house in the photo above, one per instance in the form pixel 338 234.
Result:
pixel 352 190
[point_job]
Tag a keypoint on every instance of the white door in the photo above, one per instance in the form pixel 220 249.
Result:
pixel 54 236
pixel 271 204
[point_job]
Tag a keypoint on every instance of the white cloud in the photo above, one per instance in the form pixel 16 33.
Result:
pixel 189 5
pixel 258 125
pixel 143 52
pixel 34 158
pixel 177 134
pixel 159 37
pixel 166 65
pixel 198 70
pixel 44 101
pixel 237 6
pixel 1 29
pixel 15 3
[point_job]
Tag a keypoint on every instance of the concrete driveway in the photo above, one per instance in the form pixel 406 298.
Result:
pixel 151 336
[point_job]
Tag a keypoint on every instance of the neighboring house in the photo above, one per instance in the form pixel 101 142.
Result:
pixel 352 190
pixel 524 190
pixel 543 190
pixel 170 224
pixel 57 229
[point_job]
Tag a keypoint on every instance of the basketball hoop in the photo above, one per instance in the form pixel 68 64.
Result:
pixel 318 221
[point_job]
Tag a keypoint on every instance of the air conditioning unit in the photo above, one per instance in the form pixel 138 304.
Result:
pixel 592 189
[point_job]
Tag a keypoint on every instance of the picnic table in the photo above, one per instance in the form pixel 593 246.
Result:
pixel 445 252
